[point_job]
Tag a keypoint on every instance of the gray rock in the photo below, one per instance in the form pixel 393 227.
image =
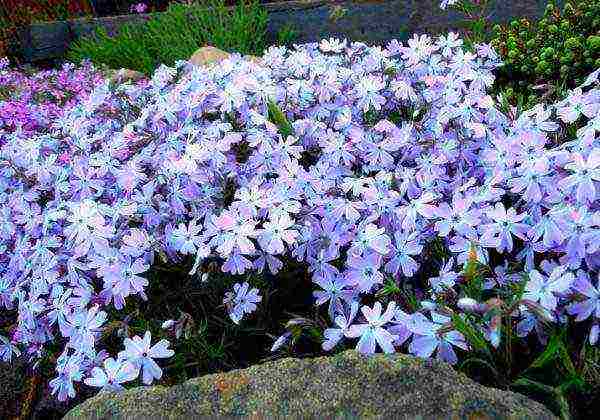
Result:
pixel 348 385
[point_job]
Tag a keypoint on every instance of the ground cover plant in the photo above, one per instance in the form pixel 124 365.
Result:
pixel 423 214
pixel 30 100
pixel 175 35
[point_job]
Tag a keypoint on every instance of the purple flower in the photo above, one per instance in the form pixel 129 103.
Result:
pixel 544 289
pixel 459 218
pixel 503 224
pixel 275 233
pixel 428 338
pixel 548 230
pixel 578 104
pixel 69 371
pixel 446 279
pixel 271 261
pixel 139 8
pixel 343 323
pixel 465 247
pixel 85 326
pixel 335 291
pixel 445 3
pixel 7 349
pixel 364 271
pixel 241 301
pixel 406 245
pixel 115 373
pixel 332 45
pixel 234 231
pixel 390 149
pixel 372 237
pixel 589 305
pixel 123 280
pixel 236 263
pixel 585 173
pixel 531 183
pixel 417 207
pixel 372 333
pixel 368 93
pixel 139 352
pixel 187 239
pixel 401 327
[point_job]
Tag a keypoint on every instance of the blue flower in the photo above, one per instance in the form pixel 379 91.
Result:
pixel 372 332
pixel 115 373
pixel 241 301
pixel 139 352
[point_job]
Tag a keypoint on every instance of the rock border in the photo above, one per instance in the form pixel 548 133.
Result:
pixel 372 21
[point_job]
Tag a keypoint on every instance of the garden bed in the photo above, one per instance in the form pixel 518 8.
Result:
pixel 304 201
pixel 369 21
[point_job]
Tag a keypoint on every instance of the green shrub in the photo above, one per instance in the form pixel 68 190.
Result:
pixel 175 35
pixel 557 51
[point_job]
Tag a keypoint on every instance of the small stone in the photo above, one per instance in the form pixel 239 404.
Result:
pixel 125 75
pixel 207 55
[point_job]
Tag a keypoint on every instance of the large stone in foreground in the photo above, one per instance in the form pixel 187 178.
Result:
pixel 344 386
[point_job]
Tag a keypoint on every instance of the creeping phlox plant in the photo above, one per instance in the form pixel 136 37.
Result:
pixel 357 161
pixel 30 102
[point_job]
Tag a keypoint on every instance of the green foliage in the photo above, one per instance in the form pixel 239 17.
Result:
pixel 473 335
pixel 475 19
pixel 552 377
pixel 473 275
pixel 287 35
pixel 554 53
pixel 277 117
pixel 176 34
pixel 390 287
pixel 554 374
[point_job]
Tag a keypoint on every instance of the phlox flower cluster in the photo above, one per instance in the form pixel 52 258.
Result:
pixel 30 101
pixel 353 160
pixel 139 8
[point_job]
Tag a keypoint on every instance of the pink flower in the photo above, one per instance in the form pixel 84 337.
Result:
pixel 139 8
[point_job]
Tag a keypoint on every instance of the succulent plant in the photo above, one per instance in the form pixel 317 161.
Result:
pixel 558 49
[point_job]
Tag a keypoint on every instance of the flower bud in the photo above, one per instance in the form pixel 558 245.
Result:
pixel 468 304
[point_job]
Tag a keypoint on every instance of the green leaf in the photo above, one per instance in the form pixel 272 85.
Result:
pixel 555 350
pixel 472 334
pixel 556 396
pixel 277 117
pixel 389 288
pixel 575 382
pixel 548 355
pixel 481 362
